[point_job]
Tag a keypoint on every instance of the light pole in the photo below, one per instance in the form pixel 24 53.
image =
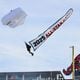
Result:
pixel 73 63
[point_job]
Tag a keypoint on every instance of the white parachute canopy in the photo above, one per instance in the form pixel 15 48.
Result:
pixel 14 18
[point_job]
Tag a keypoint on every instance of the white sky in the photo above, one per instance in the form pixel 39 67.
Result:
pixel 55 53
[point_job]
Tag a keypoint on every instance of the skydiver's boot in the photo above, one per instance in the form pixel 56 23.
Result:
pixel 32 53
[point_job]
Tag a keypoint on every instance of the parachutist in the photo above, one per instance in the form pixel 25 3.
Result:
pixel 29 48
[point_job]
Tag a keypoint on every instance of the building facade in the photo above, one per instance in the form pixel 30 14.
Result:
pixel 42 75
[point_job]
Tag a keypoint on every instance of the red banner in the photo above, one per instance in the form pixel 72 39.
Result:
pixel 76 66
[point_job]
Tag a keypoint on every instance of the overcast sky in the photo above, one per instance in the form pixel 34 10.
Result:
pixel 55 53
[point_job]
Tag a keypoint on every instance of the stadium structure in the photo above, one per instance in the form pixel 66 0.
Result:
pixel 39 75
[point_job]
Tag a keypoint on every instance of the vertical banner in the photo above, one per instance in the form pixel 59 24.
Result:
pixel 38 41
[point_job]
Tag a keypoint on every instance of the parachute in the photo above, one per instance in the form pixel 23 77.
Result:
pixel 14 18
